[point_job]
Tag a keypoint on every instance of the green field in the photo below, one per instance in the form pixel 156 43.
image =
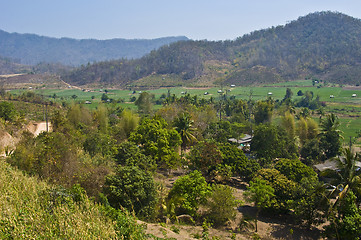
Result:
pixel 348 108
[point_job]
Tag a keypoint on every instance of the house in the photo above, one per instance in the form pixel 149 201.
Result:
pixel 243 142
pixel 354 95
pixel 331 165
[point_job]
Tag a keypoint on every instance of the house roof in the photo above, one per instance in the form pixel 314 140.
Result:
pixel 246 139
pixel 331 164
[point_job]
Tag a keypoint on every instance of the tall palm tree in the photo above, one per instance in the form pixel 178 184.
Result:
pixel 184 126
pixel 348 174
pixel 348 177
pixel 330 136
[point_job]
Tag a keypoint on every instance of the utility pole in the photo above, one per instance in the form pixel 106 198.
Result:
pixel 46 117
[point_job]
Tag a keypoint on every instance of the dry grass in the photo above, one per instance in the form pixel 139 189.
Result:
pixel 25 212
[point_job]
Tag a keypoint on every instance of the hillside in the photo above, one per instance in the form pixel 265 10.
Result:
pixel 10 66
pixel 32 209
pixel 325 45
pixel 32 49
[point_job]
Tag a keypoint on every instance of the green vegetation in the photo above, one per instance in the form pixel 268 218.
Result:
pixel 123 157
pixel 31 209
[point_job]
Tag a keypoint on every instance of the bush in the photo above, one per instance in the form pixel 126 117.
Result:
pixel 7 111
pixel 188 192
pixel 221 205
pixel 133 189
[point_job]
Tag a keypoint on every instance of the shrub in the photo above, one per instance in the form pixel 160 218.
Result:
pixel 188 192
pixel 133 189
pixel 221 205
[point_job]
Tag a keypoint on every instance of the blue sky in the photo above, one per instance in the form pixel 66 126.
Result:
pixel 196 19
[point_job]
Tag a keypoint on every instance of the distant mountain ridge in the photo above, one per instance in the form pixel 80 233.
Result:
pixel 32 49
pixel 326 45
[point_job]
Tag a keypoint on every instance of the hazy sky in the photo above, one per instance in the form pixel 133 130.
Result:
pixel 196 19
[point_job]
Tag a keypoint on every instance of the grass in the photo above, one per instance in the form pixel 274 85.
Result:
pixel 26 213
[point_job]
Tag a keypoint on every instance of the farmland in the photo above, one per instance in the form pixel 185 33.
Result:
pixel 348 108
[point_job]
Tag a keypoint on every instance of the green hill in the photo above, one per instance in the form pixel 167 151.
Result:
pixel 326 45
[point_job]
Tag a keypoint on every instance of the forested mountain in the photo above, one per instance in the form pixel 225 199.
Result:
pixel 33 49
pixel 326 45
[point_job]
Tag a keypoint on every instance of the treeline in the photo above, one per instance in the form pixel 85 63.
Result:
pixel 322 44
pixel 116 154
pixel 33 49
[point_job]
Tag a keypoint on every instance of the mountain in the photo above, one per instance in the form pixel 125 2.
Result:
pixel 33 49
pixel 326 45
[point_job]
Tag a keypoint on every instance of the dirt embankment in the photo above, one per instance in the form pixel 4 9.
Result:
pixel 8 142
pixel 38 127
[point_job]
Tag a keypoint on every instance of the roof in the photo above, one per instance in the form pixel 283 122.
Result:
pixel 246 139
pixel 331 164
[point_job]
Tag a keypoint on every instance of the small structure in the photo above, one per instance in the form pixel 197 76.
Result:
pixel 331 96
pixel 331 165
pixel 354 95
pixel 219 91
pixel 243 142
pixel 206 93
pixel 233 85
pixel 269 93
pixel 88 102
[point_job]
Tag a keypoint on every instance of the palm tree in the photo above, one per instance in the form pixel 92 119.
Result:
pixel 330 136
pixel 183 124
pixel 348 174
pixel 348 178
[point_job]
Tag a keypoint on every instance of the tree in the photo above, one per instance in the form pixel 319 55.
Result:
pixel 261 194
pixel 131 188
pixel 295 170
pixel 263 111
pixel 204 156
pixel 184 126
pixel 221 205
pixel 241 165
pixel 307 129
pixel 270 141
pixel 284 188
pixel 347 176
pixel 127 124
pixel 288 123
pixel 7 111
pixel 345 222
pixel 129 154
pixel 144 102
pixel 188 192
pixel 330 136
pixel 158 141
pixel 104 97
pixel 288 95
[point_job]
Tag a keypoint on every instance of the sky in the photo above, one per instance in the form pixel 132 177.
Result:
pixel 148 19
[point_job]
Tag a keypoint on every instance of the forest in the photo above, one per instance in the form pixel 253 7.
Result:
pixel 176 166
pixel 325 45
